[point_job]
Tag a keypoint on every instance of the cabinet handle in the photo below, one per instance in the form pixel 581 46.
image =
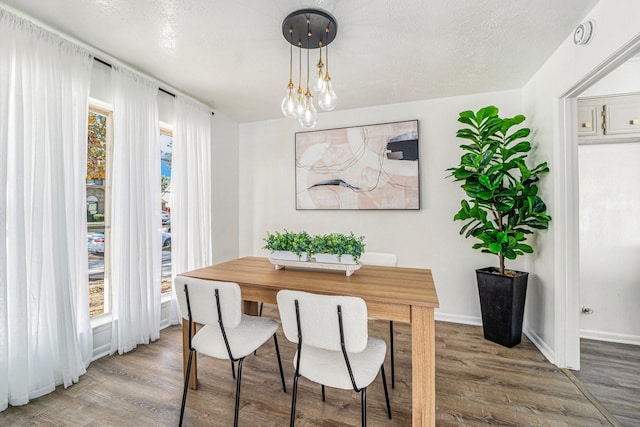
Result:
pixel 634 122
pixel 586 125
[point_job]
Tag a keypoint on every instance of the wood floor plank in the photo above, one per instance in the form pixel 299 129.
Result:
pixel 477 383
pixel 611 372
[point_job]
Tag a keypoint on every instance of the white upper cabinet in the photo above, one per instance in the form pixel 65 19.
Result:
pixel 609 118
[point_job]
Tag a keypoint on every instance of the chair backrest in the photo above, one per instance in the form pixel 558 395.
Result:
pixel 379 258
pixel 202 301
pixel 319 320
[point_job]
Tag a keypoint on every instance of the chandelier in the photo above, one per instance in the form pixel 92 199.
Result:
pixel 309 29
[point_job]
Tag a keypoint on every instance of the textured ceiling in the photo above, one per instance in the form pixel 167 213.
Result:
pixel 231 55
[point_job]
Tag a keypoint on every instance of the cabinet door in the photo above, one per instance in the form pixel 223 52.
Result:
pixel 588 120
pixel 623 118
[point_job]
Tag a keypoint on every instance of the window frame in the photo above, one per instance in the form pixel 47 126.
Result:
pixel 104 109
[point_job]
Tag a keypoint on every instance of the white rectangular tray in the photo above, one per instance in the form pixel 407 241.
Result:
pixel 348 269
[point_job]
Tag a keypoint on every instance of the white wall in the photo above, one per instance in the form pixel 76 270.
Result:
pixel 610 241
pixel 625 79
pixel 427 238
pixel 555 326
pixel 225 214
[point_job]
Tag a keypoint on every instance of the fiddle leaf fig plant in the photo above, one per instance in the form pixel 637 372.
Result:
pixel 502 206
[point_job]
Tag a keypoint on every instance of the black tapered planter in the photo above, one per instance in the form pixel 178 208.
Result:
pixel 502 304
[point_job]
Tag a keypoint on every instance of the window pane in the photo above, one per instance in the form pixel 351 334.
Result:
pixel 96 205
pixel 166 144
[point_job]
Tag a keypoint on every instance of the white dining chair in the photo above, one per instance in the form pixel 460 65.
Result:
pixel 333 344
pixel 227 333
pixel 385 260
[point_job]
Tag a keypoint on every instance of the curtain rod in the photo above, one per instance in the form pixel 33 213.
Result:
pixel 103 62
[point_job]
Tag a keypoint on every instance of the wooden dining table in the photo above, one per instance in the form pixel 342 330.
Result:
pixel 391 293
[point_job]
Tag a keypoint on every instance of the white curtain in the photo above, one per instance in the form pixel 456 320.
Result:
pixel 136 224
pixel 191 237
pixel 45 333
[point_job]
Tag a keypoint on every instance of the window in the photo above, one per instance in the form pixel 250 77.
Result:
pixel 97 202
pixel 98 154
pixel 166 147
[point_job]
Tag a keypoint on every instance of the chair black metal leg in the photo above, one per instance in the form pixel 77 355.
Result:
pixel 323 392
pixel 386 392
pixel 259 315
pixel 235 417
pixel 233 370
pixel 393 368
pixel 186 386
pixel 293 401
pixel 363 396
pixel 275 341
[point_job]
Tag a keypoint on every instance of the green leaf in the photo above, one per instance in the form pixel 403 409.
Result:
pixel 468 134
pixel 519 134
pixel 536 205
pixel 522 147
pixel 484 180
pixel 509 253
pixel 489 111
pixel 525 248
pixel 468 114
pixel 540 169
pixel 486 158
pixel 462 174
pixel 471 148
pixel 495 248
pixel 508 123
pixel 468 159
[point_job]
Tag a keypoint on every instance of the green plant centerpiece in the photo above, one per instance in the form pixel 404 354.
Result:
pixel 304 245
pixel 296 243
pixel 338 244
pixel 502 207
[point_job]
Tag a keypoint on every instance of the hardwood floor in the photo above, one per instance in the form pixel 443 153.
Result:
pixel 477 383
pixel 611 372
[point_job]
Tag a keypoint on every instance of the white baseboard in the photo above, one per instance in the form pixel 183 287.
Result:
pixel 540 344
pixel 458 318
pixel 102 331
pixel 610 337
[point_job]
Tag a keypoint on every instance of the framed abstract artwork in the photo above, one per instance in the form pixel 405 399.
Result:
pixel 363 167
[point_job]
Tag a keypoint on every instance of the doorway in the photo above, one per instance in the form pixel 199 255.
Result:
pixel 595 172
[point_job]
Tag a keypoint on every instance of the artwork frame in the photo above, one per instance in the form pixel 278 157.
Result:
pixel 368 167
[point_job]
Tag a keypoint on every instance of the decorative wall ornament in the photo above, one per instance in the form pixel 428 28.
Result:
pixel 364 167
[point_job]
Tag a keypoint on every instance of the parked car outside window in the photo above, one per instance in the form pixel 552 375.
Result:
pixel 95 242
pixel 166 217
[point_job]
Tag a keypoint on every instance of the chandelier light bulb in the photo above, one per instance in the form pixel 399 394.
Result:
pixel 309 117
pixel 289 103
pixel 327 99
pixel 318 82
pixel 299 103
